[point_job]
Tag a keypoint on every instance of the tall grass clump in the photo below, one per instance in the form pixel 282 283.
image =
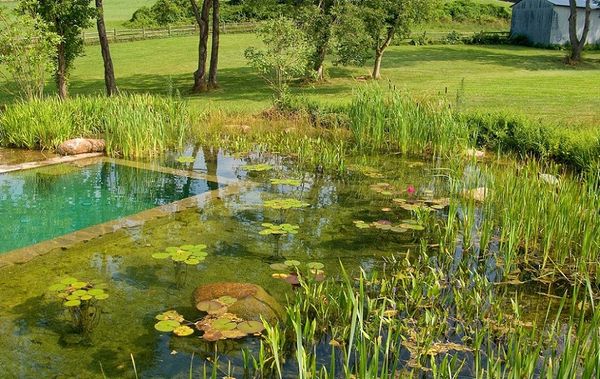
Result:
pixel 391 121
pixel 132 125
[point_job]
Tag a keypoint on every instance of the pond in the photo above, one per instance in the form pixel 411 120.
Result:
pixel 35 336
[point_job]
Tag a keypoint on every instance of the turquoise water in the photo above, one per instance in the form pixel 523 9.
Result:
pixel 38 205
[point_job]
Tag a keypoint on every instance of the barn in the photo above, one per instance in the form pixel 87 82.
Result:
pixel 546 22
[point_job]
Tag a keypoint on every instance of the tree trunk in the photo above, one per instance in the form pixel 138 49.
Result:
pixel 109 72
pixel 61 71
pixel 377 66
pixel 214 54
pixel 577 44
pixel 320 61
pixel 379 50
pixel 202 18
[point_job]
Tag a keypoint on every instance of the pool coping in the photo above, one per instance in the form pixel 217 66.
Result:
pixel 26 254
pixel 48 162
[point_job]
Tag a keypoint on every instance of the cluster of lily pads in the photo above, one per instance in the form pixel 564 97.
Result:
pixel 285 204
pixel 423 204
pixel 386 225
pixel 261 167
pixel 286 182
pixel 282 229
pixel 291 271
pixel 81 299
pixel 218 324
pixel 366 171
pixel 75 293
pixel 187 254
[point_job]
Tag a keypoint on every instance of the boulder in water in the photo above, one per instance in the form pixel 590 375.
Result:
pixel 253 302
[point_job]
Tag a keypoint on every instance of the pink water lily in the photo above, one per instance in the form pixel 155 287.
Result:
pixel 411 190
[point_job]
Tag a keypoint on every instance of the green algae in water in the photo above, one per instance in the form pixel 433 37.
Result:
pixel 41 206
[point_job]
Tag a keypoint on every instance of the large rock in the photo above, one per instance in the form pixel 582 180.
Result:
pixel 252 300
pixel 81 146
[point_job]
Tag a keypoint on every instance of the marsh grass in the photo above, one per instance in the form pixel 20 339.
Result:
pixel 391 121
pixel 132 125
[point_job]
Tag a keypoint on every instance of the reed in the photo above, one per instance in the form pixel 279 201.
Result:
pixel 132 125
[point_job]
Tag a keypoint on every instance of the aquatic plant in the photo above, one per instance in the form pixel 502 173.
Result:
pixel 218 324
pixel 291 271
pixel 81 300
pixel 261 167
pixel 285 204
pixel 186 159
pixel 283 229
pixel 182 258
pixel 187 254
pixel 366 171
pixel 286 182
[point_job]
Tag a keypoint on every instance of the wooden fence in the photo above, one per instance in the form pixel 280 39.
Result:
pixel 122 35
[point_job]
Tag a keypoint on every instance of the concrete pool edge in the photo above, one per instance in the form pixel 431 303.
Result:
pixel 4 169
pixel 26 254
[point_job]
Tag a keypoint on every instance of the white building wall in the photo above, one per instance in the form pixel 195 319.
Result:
pixel 559 34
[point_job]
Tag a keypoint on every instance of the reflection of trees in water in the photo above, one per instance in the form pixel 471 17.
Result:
pixel 136 184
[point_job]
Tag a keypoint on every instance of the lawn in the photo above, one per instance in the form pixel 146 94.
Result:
pixel 517 79
pixel 116 12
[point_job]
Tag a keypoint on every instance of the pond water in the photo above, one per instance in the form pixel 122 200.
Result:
pixel 35 336
pixel 55 200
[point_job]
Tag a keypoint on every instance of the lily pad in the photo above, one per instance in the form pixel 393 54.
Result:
pixel 286 182
pixel 285 204
pixel 292 263
pixel 315 265
pixel 167 325
pixel 186 159
pixel 183 331
pixel 227 300
pixel 223 324
pixel 211 306
pixel 58 287
pixel 72 303
pixel 258 167
pixel 95 291
pixel 102 296
pixel 69 281
pixel 251 327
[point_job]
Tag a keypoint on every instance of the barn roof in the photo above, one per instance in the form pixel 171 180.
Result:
pixel 565 3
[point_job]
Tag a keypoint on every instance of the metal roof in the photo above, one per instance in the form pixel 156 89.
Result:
pixel 565 3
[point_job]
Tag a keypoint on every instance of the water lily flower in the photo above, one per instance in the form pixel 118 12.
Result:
pixel 411 190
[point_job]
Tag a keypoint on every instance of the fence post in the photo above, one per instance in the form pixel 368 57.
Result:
pixel 169 30
pixel 144 33
pixel 115 34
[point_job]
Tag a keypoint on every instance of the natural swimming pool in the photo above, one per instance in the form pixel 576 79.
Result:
pixel 44 203
pixel 35 338
pixel 37 341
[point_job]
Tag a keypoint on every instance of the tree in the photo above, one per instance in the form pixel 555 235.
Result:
pixel 27 53
pixel 284 57
pixel 68 19
pixel 577 44
pixel 317 18
pixel 202 18
pixel 109 71
pixel 379 22
pixel 214 53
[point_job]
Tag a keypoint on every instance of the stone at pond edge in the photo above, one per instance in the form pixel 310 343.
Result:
pixel 81 146
pixel 477 194
pixel 252 300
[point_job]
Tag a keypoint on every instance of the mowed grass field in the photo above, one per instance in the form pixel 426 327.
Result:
pixel 530 81
pixel 116 12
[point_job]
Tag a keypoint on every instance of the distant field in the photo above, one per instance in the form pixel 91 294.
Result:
pixel 517 79
pixel 116 12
